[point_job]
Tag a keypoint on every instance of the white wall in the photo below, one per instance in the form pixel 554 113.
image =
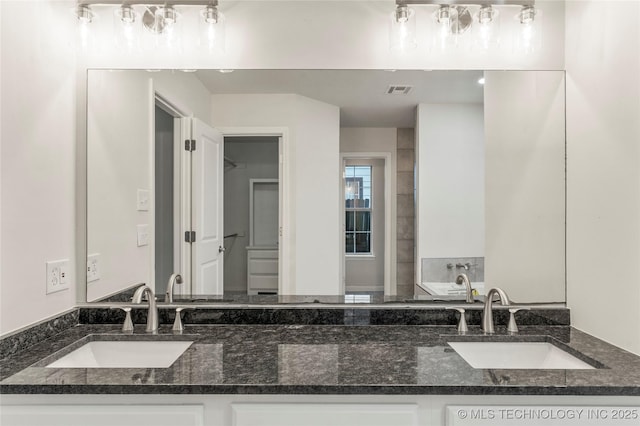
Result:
pixel 119 157
pixel 525 190
pixel 37 152
pixel 120 161
pixel 38 86
pixel 311 233
pixel 317 202
pixel 603 194
pixel 450 204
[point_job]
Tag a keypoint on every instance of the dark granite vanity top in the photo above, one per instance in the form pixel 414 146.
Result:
pixel 323 359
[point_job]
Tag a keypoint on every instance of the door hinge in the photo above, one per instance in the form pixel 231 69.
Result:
pixel 190 236
pixel 189 144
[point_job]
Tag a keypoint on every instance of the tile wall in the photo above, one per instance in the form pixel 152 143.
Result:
pixel 405 211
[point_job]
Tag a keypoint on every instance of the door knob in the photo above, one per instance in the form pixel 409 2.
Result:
pixel 221 249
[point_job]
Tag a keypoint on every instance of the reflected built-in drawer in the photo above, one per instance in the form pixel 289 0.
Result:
pixel 262 270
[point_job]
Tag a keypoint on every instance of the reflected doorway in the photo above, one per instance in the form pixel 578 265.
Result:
pixel 166 194
pixel 251 214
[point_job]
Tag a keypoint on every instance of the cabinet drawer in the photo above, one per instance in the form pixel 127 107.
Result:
pixel 263 254
pixel 263 266
pixel 263 282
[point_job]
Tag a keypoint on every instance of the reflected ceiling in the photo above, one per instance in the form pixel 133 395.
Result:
pixel 360 94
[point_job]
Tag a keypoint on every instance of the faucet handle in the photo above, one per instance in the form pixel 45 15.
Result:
pixel 462 324
pixel 513 327
pixel 177 323
pixel 127 327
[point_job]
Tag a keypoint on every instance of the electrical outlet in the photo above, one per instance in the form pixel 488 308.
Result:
pixel 57 278
pixel 93 267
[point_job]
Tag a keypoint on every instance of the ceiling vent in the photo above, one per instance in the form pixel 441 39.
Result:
pixel 398 89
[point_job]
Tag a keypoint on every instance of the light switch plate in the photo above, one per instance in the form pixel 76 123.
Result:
pixel 143 235
pixel 57 278
pixel 143 200
pixel 93 267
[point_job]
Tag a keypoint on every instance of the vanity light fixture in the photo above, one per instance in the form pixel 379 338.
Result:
pixel 159 17
pixel 451 19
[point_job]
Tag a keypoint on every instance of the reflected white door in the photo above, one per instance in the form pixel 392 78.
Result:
pixel 207 168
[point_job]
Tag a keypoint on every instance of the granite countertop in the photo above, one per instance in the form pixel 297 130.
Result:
pixel 322 359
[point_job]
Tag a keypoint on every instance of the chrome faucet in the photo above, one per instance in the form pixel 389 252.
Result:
pixel 487 314
pixel 152 315
pixel 464 279
pixel 173 280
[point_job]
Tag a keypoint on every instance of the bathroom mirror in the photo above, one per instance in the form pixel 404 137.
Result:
pixel 333 181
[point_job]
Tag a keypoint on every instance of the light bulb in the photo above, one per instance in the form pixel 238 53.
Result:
pixel 402 30
pixel 85 17
pixel 212 29
pixel 444 35
pixel 529 35
pixel 125 29
pixel 487 27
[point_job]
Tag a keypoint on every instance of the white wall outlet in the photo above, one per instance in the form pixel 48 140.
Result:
pixel 93 267
pixel 143 235
pixel 143 200
pixel 57 278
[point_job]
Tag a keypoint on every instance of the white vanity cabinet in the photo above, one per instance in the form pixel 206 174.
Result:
pixel 262 270
pixel 307 410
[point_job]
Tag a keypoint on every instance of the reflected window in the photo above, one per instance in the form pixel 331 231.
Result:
pixel 357 193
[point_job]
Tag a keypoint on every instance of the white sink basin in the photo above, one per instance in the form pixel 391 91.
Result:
pixel 524 355
pixel 123 354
